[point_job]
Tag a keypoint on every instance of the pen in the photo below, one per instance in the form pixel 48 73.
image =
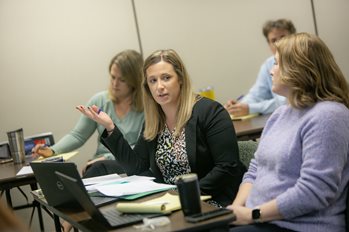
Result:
pixel 45 146
pixel 240 97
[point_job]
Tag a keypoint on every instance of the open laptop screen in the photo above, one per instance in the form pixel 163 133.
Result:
pixel 5 150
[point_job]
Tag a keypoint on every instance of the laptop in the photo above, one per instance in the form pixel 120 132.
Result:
pixel 52 188
pixel 5 155
pixel 108 217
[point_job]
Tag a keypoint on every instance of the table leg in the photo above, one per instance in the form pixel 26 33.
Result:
pixel 8 197
pixel 57 223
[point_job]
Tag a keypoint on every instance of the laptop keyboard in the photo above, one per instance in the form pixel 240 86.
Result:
pixel 99 201
pixel 115 218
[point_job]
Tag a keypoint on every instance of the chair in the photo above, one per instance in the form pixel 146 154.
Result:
pixel 247 150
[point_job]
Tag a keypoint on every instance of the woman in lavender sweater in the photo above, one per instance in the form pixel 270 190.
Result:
pixel 299 176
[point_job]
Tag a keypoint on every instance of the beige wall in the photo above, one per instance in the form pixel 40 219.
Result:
pixel 55 55
pixel 221 42
pixel 333 19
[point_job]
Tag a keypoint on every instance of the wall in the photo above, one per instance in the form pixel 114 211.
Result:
pixel 333 29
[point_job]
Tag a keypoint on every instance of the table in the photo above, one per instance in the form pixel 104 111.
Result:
pixel 9 180
pixel 250 129
pixel 83 222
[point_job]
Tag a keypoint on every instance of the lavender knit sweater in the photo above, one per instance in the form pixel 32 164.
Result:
pixel 302 161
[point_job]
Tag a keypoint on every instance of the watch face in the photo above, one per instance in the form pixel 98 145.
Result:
pixel 256 214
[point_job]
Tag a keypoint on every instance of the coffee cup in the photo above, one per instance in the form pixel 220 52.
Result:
pixel 16 142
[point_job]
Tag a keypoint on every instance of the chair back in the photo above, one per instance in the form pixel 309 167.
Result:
pixel 246 151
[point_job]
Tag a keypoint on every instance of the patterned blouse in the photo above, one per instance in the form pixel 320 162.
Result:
pixel 171 155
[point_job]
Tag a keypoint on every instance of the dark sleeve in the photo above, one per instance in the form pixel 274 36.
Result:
pixel 225 176
pixel 133 161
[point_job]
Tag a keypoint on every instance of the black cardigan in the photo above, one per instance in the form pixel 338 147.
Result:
pixel 211 146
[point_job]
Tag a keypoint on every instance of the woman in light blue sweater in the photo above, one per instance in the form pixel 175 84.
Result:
pixel 298 178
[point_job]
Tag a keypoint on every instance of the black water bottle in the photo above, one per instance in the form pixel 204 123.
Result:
pixel 189 193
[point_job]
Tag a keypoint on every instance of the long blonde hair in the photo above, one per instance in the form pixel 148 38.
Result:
pixel 154 116
pixel 130 64
pixel 309 69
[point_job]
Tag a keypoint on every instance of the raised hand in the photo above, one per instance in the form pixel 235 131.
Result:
pixel 97 115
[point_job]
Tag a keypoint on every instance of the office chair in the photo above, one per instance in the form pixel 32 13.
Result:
pixel 247 150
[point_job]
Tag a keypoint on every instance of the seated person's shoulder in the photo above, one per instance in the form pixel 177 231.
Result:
pixel 101 94
pixel 99 98
pixel 207 109
pixel 206 104
pixel 330 109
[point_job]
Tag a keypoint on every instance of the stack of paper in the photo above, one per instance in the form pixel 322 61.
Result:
pixel 100 179
pixel 129 186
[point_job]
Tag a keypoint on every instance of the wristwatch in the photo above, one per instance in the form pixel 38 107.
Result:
pixel 256 215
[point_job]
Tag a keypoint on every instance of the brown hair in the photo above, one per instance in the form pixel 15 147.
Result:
pixel 308 67
pixel 130 64
pixel 282 24
pixel 153 114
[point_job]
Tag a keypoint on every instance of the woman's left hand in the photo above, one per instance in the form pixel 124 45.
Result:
pixel 243 215
pixel 97 115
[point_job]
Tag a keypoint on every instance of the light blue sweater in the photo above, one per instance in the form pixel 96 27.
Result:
pixel 302 161
pixel 260 98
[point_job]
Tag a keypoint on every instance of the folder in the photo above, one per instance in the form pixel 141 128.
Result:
pixel 234 118
pixel 64 156
pixel 164 204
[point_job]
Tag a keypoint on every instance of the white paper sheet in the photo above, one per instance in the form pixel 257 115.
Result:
pixel 127 188
pixel 99 179
pixel 25 171
pixel 93 187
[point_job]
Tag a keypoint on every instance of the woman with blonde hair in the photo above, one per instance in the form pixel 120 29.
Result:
pixel 298 179
pixel 183 133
